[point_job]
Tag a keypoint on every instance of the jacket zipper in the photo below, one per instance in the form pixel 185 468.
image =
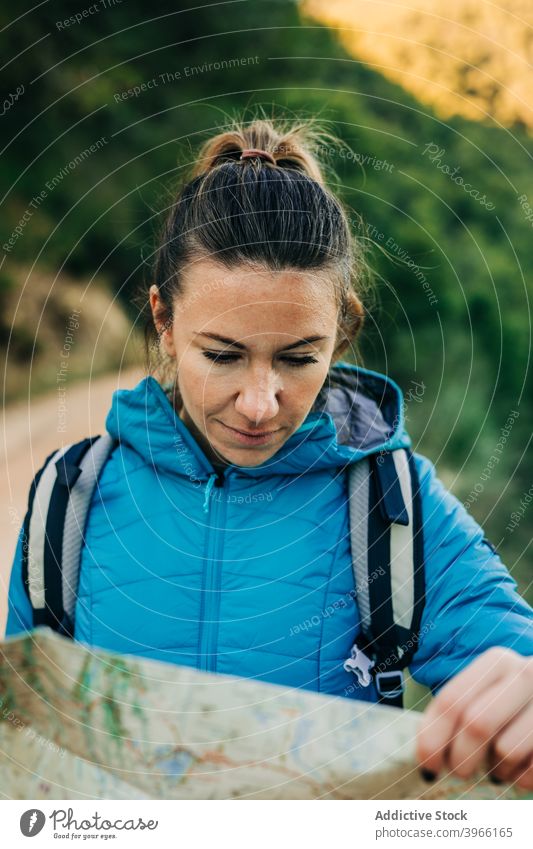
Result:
pixel 211 586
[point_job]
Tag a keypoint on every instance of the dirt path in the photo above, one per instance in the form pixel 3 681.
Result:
pixel 30 432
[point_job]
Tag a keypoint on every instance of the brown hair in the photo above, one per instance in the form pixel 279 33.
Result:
pixel 280 216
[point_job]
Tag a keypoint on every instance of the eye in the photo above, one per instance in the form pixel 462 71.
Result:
pixel 224 359
pixel 220 358
pixel 299 361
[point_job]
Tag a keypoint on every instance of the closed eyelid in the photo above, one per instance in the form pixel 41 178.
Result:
pixel 232 343
pixel 231 353
pixel 228 358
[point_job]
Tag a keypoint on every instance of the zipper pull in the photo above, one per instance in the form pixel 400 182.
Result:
pixel 215 479
pixel 208 488
pixel 360 665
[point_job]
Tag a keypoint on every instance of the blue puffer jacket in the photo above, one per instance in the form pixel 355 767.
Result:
pixel 250 573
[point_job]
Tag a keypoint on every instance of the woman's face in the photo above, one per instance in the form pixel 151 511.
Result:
pixel 243 365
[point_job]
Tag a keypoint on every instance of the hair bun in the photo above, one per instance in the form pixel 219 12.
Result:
pixel 255 153
pixel 289 147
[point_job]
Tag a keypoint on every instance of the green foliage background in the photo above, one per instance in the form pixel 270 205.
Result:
pixel 470 350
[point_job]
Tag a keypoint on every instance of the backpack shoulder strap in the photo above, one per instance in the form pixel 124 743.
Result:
pixel 387 555
pixel 54 526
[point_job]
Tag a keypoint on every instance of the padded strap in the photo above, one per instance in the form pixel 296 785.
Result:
pixel 37 531
pixel 387 555
pixel 401 548
pixel 66 471
pixel 358 506
pixel 77 512
pixel 391 494
pixel 383 628
pixel 57 511
pixel 26 526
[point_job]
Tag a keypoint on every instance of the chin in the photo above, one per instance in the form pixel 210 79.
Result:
pixel 246 457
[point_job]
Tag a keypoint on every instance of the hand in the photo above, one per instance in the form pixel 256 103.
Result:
pixel 482 717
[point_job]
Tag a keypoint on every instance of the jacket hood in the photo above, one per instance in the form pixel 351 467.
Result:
pixel 356 413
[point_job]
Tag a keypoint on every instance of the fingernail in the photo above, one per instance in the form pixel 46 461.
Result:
pixel 427 775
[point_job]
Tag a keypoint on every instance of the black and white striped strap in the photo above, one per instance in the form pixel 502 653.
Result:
pixel 385 530
pixel 54 528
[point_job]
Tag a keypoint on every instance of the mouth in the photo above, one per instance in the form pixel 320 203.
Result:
pixel 250 437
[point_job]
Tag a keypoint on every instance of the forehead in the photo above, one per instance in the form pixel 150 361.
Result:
pixel 254 300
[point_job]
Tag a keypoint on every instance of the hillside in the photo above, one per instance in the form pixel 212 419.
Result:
pixel 461 57
pixel 113 109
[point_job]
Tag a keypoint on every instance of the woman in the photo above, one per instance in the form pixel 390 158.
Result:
pixel 219 535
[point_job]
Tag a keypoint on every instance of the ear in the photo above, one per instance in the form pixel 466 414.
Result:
pixel 161 322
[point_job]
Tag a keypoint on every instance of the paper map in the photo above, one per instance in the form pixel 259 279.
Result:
pixel 79 722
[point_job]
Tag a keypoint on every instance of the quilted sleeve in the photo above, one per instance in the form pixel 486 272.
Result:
pixel 472 601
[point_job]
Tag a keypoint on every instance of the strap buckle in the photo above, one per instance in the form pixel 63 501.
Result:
pixel 391 684
pixel 360 665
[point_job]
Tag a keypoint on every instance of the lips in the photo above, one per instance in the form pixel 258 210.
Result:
pixel 250 437
pixel 251 432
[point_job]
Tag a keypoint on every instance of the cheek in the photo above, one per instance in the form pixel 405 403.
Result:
pixel 202 385
pixel 300 387
pixel 313 387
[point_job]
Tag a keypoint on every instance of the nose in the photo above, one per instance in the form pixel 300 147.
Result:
pixel 257 399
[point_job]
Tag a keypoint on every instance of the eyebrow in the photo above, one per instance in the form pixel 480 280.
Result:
pixel 242 347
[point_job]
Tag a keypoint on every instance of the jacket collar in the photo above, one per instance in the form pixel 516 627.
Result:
pixel 357 412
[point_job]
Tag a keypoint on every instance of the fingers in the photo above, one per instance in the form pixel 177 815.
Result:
pixel 524 779
pixel 511 751
pixel 472 710
pixel 442 717
pixel 487 717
